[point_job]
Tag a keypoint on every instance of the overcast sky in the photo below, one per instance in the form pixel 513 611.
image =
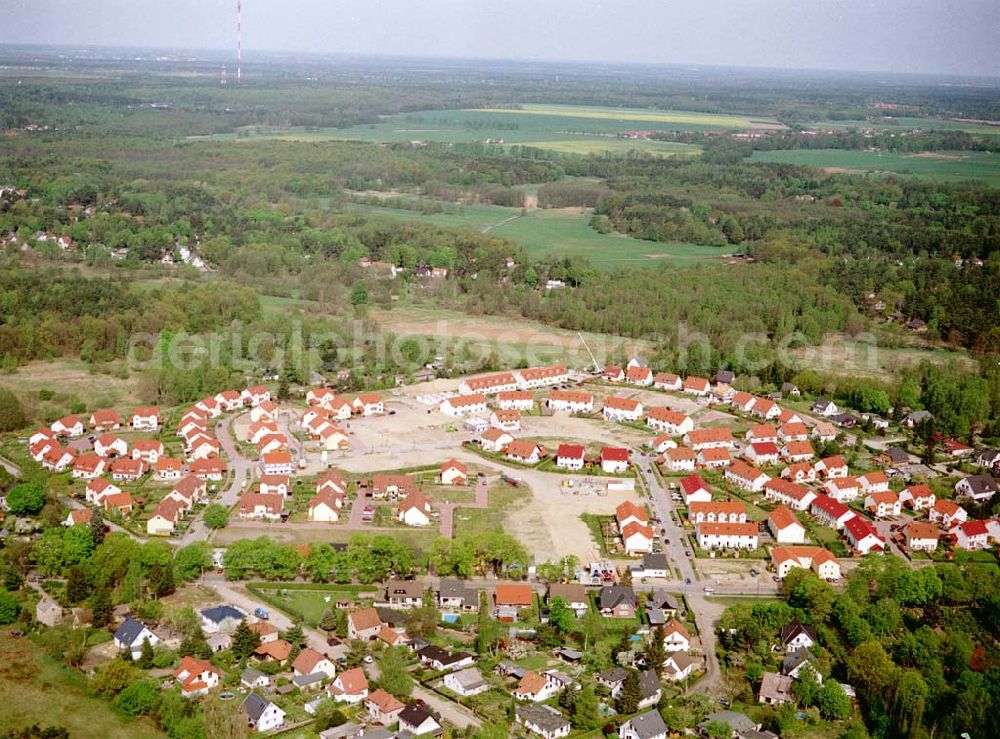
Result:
pixel 926 36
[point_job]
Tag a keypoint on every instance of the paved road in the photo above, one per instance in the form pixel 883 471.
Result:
pixel 706 614
pixel 242 469
pixel 10 467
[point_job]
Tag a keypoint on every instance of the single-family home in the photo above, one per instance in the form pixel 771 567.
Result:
pixel 918 497
pixel 637 538
pixel 613 373
pixel 699 439
pixel 679 666
pixel 922 536
pixel 98 488
pixel 267 506
pixel 455 595
pixel 980 488
pixel 800 472
pixel 640 376
pixel 417 720
pixel 614 460
pixel 863 536
pixel 647 725
pixel 796 635
pixel 414 510
pixel 310 662
pixel 667 381
pixel 874 482
pixel 831 467
pixel 537 687
pixel 105 420
pixel 325 506
pixel 131 635
pixel 466 683
pixel 261 714
pixel 145 418
pixel 969 535
pixel 946 513
pixel 276 463
pixel 510 598
pixel 523 452
pixel 573 595
pixel 798 451
pixel 617 601
pixel 883 505
pixel 109 445
pixel 222 618
pixel 698 386
pixel 676 637
pixel 695 490
pixel 790 432
pixel 350 686
pixel 364 624
pixel 88 466
pixel 775 689
pixel 679 459
pixel 714 459
pixel 785 527
pixel 494 439
pixel 197 676
pixel 819 560
pixel 570 456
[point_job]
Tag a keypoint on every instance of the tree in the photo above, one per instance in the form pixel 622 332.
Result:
pixel 908 701
pixel 224 720
pixel 113 677
pixel 628 700
pixel 561 616
pixel 145 660
pixel 870 668
pixel 138 698
pixel 9 608
pixel 216 516
pixel 834 705
pixel 26 499
pixel 97 526
pixel 11 413
pixel 357 650
pixel 718 730
pixel 393 676
pixel 244 641
pixel 656 653
pixel 328 621
pixel 161 580
pixel 294 635
pixel 359 293
pixel 100 605
pixel 191 560
pixel 328 715
pixel 584 714
pixel 806 686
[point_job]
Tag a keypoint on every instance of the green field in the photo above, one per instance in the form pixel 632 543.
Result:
pixel 569 129
pixel 559 232
pixel 907 124
pixel 948 166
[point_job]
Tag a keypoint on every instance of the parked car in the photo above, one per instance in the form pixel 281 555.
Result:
pixel 261 613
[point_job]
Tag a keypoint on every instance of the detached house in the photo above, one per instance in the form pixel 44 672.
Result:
pixel 795 635
pixel 785 527
pixel 267 506
pixel 494 440
pixel 667 381
pixel 570 456
pixel 261 714
pixel 523 452
pixel 196 676
pixel 537 687
pixel 863 536
pixel 917 497
pixel 454 472
pixel 698 386
pixel 699 439
pixel 509 598
pixel 255 395
pixel 145 418
pixel 364 624
pixel 676 638
pixel 617 601
pixel 831 467
pixel 350 686
pixel 947 513
pixel 325 506
pixel 131 635
pixel 543 720
pixel 695 490
pixel 414 510
pixel 276 463
pixel 309 662
pixel 640 376
pixel 637 538
pixel 88 466
pixel 883 505
pixel 969 535
pixel 105 420
pixel 614 460
pixel 109 445
pixel 980 488
pixel 922 537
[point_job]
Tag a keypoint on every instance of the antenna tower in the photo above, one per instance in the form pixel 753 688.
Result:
pixel 239 40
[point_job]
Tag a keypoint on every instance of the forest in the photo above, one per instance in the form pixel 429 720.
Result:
pixel 918 646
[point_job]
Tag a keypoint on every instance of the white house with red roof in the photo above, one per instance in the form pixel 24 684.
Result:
pixel 798 451
pixel 800 472
pixel 819 560
pixel 614 460
pixel 89 466
pixel 679 459
pixel 947 513
pixel 70 426
pixel 969 535
pixel 637 538
pixel 628 512
pixel 613 373
pixel 714 459
pixel 126 468
pixel 570 456
pixel 309 662
pixel 695 490
pixel 99 487
pixel 109 445
pixel 717 511
pixel 918 497
pixel 105 420
pixel 210 407
pixel 727 536
pixel 204 446
pixel 454 472
pixel 266 411
pixel 794 431
pixel 325 507
pixel 676 637
pixel 622 409
pixel 796 497
pixel 639 376
pixel 831 511
pixel 667 381
pixel 197 677
pixel 509 420
pixel 229 400
pixel 922 536
pixel 863 536
pixel 523 452
pixel 535 377
pixel 844 489
pixel 262 505
pixel 572 401
pixel 350 686
pixel 208 468
pixel 276 463
pixel 515 400
pixel 762 452
pixel 148 450
pixel 489 384
pixel 765 409
pixel 832 467
pixel 494 440
pixel 742 401
pixel 699 439
pixel 745 477
pixel 414 510
pixel 883 504
pixel 696 386
pixel 57 459
pixel 761 432
pixel 368 404
pixel 463 405
pixel 668 421
pixel 874 482
pixel 145 418
pixel 255 395
pixel 785 527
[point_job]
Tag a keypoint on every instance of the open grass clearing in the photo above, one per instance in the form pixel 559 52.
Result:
pixel 34 689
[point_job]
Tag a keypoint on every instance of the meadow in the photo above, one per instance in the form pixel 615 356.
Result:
pixel 944 166
pixel 558 232
pixel 569 129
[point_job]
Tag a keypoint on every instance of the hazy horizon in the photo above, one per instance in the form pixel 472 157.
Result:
pixel 922 37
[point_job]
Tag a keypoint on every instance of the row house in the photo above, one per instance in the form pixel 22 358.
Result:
pixel 699 439
pixel 787 493
pixel 717 512
pixel 785 527
pixel 535 377
pixel 515 400
pixel 463 405
pixel 746 477
pixel 679 459
pixel 669 421
pixel 622 409
pixel 800 472
pixel 727 536
pixel 863 536
pixel 489 384
pixel 831 511
pixel 761 432
pixel 819 560
pixel 764 452
pixel 918 497
pixel 883 505
pixel 946 513
pixel 572 401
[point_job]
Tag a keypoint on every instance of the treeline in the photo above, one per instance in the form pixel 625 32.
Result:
pixel 918 646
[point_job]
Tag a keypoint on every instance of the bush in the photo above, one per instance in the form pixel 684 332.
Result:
pixel 9 608
pixel 11 413
pixel 138 698
pixel 26 499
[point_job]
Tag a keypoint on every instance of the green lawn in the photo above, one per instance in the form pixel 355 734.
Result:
pixel 308 604
pixel 504 499
pixel 947 166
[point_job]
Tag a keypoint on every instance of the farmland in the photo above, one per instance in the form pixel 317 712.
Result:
pixel 567 129
pixel 945 166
